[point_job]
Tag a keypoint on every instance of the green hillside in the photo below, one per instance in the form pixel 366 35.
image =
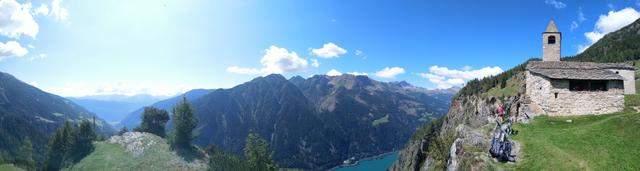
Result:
pixel 9 167
pixel 603 142
pixel 137 151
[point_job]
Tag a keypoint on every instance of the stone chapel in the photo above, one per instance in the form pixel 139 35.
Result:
pixel 560 88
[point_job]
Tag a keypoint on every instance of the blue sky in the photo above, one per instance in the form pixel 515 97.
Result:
pixel 163 47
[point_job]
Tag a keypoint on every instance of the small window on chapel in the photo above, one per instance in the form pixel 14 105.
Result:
pixel 551 40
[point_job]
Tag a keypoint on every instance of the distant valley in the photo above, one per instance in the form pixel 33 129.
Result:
pixel 114 108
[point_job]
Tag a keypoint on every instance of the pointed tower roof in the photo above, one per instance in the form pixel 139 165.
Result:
pixel 552 27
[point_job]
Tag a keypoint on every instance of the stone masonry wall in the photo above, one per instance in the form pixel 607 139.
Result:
pixel 537 89
pixel 551 52
pixel 629 80
pixel 542 91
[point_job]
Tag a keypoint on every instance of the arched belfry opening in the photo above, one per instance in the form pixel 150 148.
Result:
pixel 551 40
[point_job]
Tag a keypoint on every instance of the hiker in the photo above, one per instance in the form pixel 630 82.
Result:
pixel 500 112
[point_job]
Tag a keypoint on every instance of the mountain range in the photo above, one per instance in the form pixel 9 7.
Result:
pixel 312 123
pixel 28 112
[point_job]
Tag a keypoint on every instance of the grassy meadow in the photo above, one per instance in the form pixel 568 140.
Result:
pixel 602 142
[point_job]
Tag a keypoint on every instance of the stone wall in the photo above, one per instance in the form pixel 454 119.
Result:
pixel 537 89
pixel 554 97
pixel 629 80
pixel 551 52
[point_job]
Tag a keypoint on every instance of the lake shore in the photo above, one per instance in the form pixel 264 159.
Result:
pixel 374 157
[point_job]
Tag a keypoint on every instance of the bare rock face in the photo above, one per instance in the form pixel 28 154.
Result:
pixel 467 121
pixel 143 146
pixel 135 142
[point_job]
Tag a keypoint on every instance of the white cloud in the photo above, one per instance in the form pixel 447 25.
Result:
pixel 16 20
pixel 329 50
pixel 57 11
pixel 12 48
pixel 444 77
pixel 574 25
pixel 42 10
pixel 442 82
pixel 613 21
pixel 466 68
pixel 467 75
pixel 390 73
pixel 358 73
pixel 275 60
pixel 358 52
pixel 334 72
pixel 555 3
pixel 117 88
pixel 581 17
pixel 315 63
pixel 40 56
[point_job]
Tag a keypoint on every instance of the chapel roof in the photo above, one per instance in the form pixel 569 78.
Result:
pixel 577 70
pixel 576 74
pixel 576 65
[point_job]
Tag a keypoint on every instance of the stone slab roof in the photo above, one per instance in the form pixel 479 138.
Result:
pixel 577 65
pixel 552 27
pixel 578 74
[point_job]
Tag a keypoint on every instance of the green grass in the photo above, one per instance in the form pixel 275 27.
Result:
pixel 107 156
pixel 382 120
pixel 603 142
pixel 511 89
pixel 632 100
pixel 9 167
pixel 637 85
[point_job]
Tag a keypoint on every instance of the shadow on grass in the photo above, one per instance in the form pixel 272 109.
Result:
pixel 189 154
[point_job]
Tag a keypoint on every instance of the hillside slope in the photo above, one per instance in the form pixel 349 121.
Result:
pixel 619 46
pixel 26 111
pixel 137 151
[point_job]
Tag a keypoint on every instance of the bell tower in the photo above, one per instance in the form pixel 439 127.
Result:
pixel 551 43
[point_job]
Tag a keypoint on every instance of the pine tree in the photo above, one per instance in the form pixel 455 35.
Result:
pixel 82 141
pixel 257 153
pixel 57 148
pixel 184 121
pixel 154 121
pixel 25 155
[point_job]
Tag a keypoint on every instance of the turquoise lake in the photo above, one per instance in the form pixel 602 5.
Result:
pixel 373 164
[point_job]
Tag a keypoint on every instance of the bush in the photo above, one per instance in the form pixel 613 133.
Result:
pixel 153 121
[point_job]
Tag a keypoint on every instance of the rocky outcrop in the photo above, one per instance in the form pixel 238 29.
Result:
pixel 467 130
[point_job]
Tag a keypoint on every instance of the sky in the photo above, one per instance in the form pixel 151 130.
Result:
pixel 165 47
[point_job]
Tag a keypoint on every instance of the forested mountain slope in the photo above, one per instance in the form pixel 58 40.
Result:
pixel 28 112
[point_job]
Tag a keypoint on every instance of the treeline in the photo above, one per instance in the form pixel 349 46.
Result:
pixel 477 86
pixel 69 144
pixel 256 152
pixel 257 156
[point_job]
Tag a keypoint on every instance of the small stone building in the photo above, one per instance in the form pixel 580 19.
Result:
pixel 560 88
